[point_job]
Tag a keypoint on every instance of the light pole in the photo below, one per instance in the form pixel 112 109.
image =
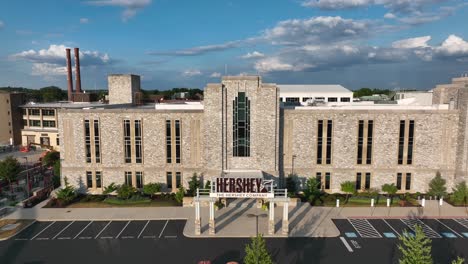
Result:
pixel 27 175
pixel 256 218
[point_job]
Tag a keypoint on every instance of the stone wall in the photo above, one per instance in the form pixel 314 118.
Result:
pixel 122 88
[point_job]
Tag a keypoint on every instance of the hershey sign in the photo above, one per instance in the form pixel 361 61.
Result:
pixel 240 188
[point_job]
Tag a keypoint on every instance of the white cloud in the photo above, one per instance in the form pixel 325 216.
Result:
pixel 197 50
pixel 274 64
pixel 253 55
pixel 40 69
pixel 131 7
pixel 191 73
pixel 389 16
pixel 2 24
pixel 84 20
pixel 336 4
pixel 453 46
pixel 411 43
pixel 215 75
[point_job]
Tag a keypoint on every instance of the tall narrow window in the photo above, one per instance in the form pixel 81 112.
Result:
pixel 89 179
pixel 241 126
pixel 401 141
pixel 319 141
pixel 97 143
pixel 138 150
pixel 178 179
pixel 139 179
pixel 168 143
pixel 367 182
pixel 169 179
pixel 327 181
pixel 127 142
pixel 319 180
pixel 98 179
pixel 398 181
pixel 409 159
pixel 128 178
pixel 370 132
pixel 87 141
pixel 329 140
pixel 177 140
pixel 360 142
pixel 408 181
pixel 358 181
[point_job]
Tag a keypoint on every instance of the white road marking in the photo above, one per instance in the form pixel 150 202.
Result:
pixel 163 229
pixel 391 227
pixel 64 238
pixel 21 239
pixel 106 237
pixel 84 237
pixel 448 228
pixel 63 230
pixel 463 222
pixel 170 236
pixel 42 230
pixel 123 229
pixel 149 236
pixel 125 237
pixel 103 229
pixel 143 229
pixel 427 230
pixel 83 229
pixel 42 238
pixel 346 244
pixel 364 228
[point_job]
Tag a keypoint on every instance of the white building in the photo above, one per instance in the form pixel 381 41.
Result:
pixel 301 93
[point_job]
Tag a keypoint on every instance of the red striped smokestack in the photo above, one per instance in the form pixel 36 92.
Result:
pixel 77 70
pixel 69 76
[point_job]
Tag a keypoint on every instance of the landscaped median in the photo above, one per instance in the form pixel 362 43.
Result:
pixel 9 227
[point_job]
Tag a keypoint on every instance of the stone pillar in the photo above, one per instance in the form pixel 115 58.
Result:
pixel 285 223
pixel 271 219
pixel 211 222
pixel 197 218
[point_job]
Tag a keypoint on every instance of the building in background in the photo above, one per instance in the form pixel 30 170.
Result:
pixel 305 94
pixel 11 118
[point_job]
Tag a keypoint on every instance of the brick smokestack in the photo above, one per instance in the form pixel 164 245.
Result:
pixel 77 70
pixel 69 76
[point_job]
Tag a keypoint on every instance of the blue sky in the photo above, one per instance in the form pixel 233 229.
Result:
pixel 391 44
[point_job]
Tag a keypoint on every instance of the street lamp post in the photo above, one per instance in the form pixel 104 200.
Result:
pixel 27 175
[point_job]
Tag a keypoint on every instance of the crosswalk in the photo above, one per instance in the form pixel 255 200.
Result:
pixel 429 232
pixel 364 228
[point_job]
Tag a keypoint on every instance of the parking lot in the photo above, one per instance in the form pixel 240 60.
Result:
pixel 392 228
pixel 71 230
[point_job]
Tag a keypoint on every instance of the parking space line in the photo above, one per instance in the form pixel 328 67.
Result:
pixel 125 237
pixel 21 239
pixel 427 230
pixel 63 230
pixel 163 229
pixel 64 238
pixel 103 229
pixel 346 244
pixel 391 227
pixel 364 228
pixel 143 229
pixel 83 229
pixel 109 237
pixel 449 228
pixel 149 236
pixel 122 229
pixel 42 230
pixel 170 236
pixel 463 222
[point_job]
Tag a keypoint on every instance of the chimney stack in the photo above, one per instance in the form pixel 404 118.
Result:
pixel 77 70
pixel 69 76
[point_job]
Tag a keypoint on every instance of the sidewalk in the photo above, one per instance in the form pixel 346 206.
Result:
pixel 304 220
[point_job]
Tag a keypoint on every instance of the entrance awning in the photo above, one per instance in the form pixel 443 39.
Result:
pixel 242 174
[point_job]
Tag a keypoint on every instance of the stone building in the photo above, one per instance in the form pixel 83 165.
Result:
pixel 241 128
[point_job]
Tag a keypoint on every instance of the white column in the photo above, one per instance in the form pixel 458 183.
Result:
pixel 197 217
pixel 211 221
pixel 271 220
pixel 285 223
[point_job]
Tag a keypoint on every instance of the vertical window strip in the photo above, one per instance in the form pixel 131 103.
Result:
pixel 177 140
pixel 241 126
pixel 97 142
pixel 409 158
pixel 139 179
pixel 319 179
pixel 408 181
pixel 329 141
pixel 98 179
pixel 89 179
pixel 398 181
pixel 127 141
pixel 327 181
pixel 87 141
pixel 319 141
pixel 169 179
pixel 360 141
pixel 128 178
pixel 138 142
pixel 367 182
pixel 358 181
pixel 401 141
pixel 370 133
pixel 168 142
pixel 178 179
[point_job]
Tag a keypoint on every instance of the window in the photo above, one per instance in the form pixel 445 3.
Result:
pixel 358 181
pixel 241 125
pixel 168 142
pixel 360 142
pixel 319 141
pixel 177 140
pixel 34 112
pixel 87 141
pixel 48 112
pixel 332 99
pixel 327 181
pixel 408 181
pixel 367 183
pixel 97 144
pixel 319 180
pixel 398 181
pixel 25 122
pixel 128 178
pixel 178 179
pixel 98 179
pixel 281 99
pixel 410 142
pixel 139 179
pixel 48 123
pixel 292 99
pixel 329 141
pixel 34 123
pixel 401 141
pixel 23 111
pixel 409 158
pixel 127 142
pixel 89 179
pixel 345 99
pixel 169 179
pixel 304 99
pixel 57 141
pixel 370 133
pixel 138 150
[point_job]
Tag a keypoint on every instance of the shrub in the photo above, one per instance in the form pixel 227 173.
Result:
pixel 312 191
pixel 194 183
pixel 179 196
pixel 51 158
pixel 208 185
pixel 125 191
pixel 348 187
pixel 219 204
pixel 437 186
pixel 56 181
pixel 291 183
pixel 460 193
pixel 151 188
pixel 390 189
pixel 110 188
pixel 67 193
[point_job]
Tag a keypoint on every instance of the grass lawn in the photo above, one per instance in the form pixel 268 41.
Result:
pixel 365 202
pixel 9 227
pixel 121 203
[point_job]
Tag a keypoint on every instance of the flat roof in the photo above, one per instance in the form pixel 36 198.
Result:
pixel 64 105
pixel 313 88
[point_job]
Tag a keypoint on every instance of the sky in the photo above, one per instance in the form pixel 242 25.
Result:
pixel 388 44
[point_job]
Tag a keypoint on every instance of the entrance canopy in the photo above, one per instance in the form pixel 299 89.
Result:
pixel 258 174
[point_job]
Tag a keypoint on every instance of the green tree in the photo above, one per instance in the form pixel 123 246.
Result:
pixel 291 183
pixel 50 158
pixel 208 185
pixel 312 190
pixel 110 188
pixel 459 260
pixel 179 196
pixel 256 252
pixel 390 189
pixel 348 187
pixel 460 193
pixel 52 94
pixel 437 186
pixel 151 188
pixel 125 191
pixel 415 249
pixel 194 183
pixel 67 193
pixel 9 169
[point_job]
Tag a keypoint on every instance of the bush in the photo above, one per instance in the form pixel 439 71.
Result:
pixel 110 188
pixel 51 158
pixel 291 183
pixel 179 196
pixel 312 191
pixel 219 204
pixel 151 188
pixel 348 187
pixel 437 186
pixel 460 193
pixel 67 193
pixel 208 185
pixel 125 191
pixel 194 183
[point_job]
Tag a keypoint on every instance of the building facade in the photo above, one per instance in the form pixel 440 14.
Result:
pixel 11 118
pixel 242 128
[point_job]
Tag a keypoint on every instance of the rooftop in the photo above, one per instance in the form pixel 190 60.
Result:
pixel 64 104
pixel 313 88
